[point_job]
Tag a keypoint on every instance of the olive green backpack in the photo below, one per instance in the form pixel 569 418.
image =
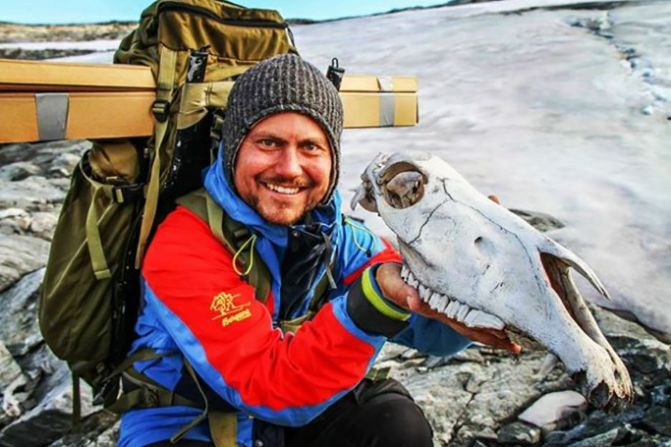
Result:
pixel 122 189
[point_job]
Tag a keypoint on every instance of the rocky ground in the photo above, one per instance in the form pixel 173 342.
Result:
pixel 13 38
pixel 15 33
pixel 33 55
pixel 480 397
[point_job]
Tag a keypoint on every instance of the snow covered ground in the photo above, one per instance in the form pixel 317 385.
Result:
pixel 555 108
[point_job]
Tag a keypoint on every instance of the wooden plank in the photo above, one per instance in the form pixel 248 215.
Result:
pixel 110 115
pixel 36 76
pixel 18 118
pixel 90 115
pixel 128 114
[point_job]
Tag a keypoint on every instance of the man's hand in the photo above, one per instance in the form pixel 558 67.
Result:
pixel 388 277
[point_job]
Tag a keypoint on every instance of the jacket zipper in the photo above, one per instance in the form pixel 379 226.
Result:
pixel 173 6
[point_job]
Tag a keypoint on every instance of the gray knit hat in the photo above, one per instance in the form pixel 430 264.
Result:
pixel 285 83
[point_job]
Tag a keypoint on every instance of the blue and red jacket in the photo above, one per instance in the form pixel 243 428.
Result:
pixel 197 307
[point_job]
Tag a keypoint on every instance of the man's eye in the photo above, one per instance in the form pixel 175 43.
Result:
pixel 312 147
pixel 268 143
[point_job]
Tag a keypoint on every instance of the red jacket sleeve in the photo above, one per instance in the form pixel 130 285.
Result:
pixel 228 336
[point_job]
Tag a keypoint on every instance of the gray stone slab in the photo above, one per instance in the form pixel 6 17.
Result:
pixel 20 255
pixel 19 328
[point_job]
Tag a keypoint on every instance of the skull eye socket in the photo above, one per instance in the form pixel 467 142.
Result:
pixel 403 185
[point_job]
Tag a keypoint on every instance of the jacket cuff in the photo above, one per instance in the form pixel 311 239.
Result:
pixel 371 311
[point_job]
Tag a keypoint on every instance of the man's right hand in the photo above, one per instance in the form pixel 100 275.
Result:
pixel 392 286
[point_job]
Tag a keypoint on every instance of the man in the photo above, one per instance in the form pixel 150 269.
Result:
pixel 276 174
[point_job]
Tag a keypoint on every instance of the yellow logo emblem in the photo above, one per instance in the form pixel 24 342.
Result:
pixel 229 312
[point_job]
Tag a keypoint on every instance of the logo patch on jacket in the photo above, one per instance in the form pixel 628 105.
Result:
pixel 229 312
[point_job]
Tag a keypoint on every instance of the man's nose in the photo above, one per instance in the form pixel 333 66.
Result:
pixel 288 164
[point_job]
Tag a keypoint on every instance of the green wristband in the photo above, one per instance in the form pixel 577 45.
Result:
pixel 378 301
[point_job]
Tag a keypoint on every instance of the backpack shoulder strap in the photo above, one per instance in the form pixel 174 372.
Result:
pixel 234 236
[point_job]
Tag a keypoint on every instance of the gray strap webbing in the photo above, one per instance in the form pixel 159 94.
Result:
pixel 52 115
pixel 387 101
pixel 76 403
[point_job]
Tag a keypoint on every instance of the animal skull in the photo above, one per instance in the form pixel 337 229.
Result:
pixel 478 263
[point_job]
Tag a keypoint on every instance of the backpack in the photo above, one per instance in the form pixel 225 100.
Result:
pixel 121 189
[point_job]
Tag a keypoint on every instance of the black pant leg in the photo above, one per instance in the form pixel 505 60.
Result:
pixel 379 414
pixel 182 443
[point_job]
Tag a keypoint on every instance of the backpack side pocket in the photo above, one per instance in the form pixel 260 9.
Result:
pixel 88 246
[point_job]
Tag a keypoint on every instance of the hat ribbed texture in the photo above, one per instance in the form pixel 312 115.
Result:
pixel 285 83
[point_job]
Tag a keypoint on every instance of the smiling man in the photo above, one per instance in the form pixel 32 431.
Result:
pixel 293 368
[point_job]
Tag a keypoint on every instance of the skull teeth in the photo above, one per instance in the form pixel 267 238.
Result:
pixel 450 306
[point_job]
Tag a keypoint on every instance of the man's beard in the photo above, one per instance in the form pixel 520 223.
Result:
pixel 277 216
pixel 280 214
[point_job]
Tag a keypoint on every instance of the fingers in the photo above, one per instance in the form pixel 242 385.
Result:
pixel 491 337
pixel 494 199
pixel 415 304
pixel 395 289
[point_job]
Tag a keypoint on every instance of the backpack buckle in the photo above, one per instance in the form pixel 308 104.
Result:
pixel 161 109
pixel 126 193
pixel 335 73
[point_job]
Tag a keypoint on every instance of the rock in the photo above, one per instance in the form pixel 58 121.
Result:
pixel 29 193
pixel 596 424
pixel 18 321
pixel 519 433
pixel 48 421
pixel 13 396
pixel 14 221
pixel 41 154
pixel 63 165
pixel 45 372
pixel 14 32
pixel 11 380
pixel 434 361
pixel 108 438
pixel 18 171
pixel 9 369
pixel 17 152
pixel 661 395
pixel 101 429
pixel 648 360
pixel 50 53
pixel 604 439
pixel 391 351
pixel 61 183
pixel 538 220
pixel 409 354
pixel 658 420
pixel 43 225
pixel 552 409
pixel 468 355
pixel 20 255
pixel 12 212
pixel 464 400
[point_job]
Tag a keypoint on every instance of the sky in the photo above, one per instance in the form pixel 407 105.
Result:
pixel 88 11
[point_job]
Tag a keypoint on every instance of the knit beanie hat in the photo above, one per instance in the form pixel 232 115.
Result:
pixel 284 83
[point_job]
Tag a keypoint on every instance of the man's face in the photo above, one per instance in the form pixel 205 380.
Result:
pixel 283 167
